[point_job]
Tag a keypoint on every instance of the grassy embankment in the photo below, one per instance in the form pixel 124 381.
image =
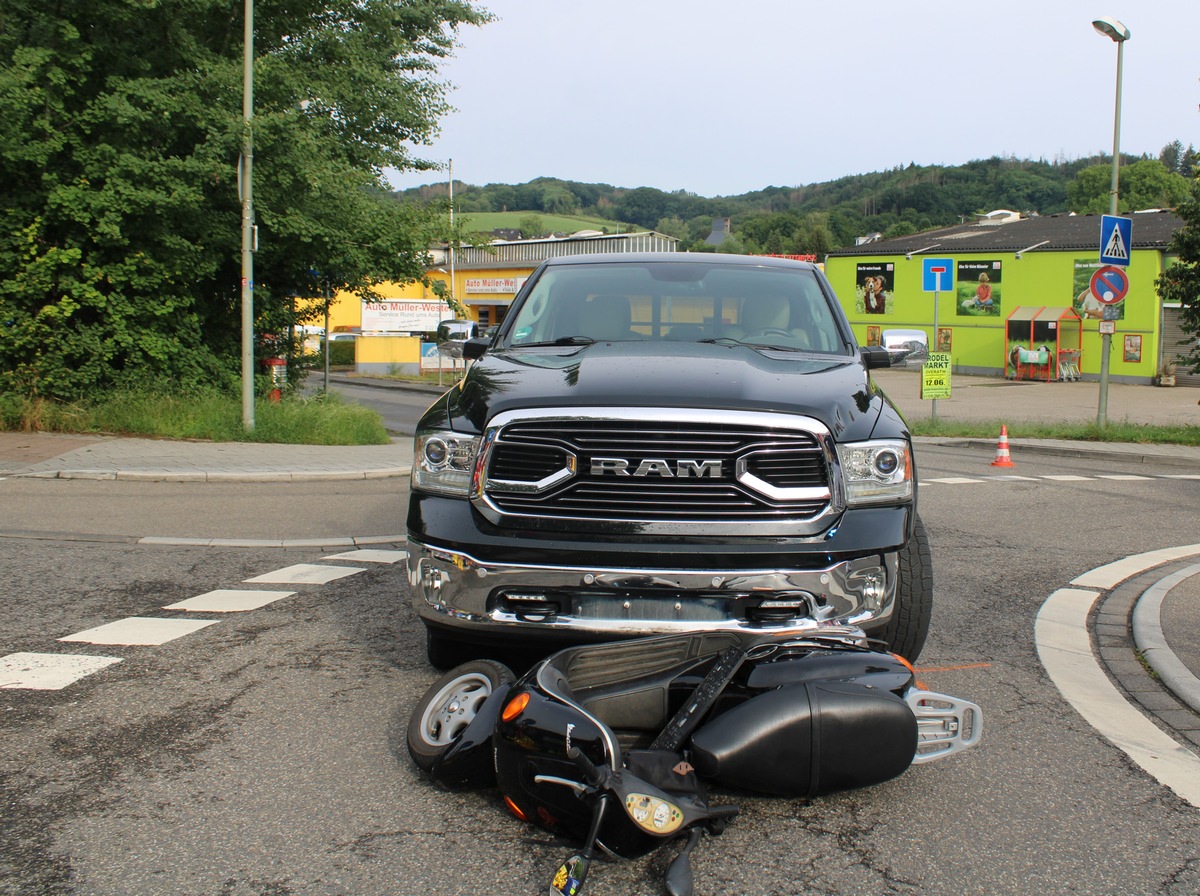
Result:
pixel 207 415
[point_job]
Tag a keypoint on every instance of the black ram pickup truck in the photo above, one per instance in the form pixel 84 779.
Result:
pixel 663 442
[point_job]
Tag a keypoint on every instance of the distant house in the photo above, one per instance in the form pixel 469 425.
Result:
pixel 506 233
pixel 720 232
pixel 999 216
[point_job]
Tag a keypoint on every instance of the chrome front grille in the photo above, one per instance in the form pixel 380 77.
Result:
pixel 666 469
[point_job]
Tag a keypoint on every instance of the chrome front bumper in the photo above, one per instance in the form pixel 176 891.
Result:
pixel 453 589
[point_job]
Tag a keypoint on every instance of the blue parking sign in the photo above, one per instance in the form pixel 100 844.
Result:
pixel 1116 239
pixel 937 274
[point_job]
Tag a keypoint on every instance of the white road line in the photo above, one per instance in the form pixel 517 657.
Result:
pixel 953 480
pixel 49 671
pixel 370 556
pixel 307 574
pixel 229 600
pixel 139 631
pixel 1070 478
pixel 1125 477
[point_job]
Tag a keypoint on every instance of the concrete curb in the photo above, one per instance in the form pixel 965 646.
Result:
pixel 1152 643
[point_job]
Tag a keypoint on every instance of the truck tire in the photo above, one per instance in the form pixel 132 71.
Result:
pixel 443 652
pixel 906 631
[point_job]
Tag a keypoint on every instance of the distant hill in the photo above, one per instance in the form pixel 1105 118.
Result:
pixel 814 218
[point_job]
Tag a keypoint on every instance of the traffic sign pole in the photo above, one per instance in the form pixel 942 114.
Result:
pixel 935 325
pixel 1116 247
pixel 936 274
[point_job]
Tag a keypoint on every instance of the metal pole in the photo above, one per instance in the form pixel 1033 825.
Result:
pixel 451 293
pixel 328 299
pixel 247 198
pixel 935 329
pixel 1106 338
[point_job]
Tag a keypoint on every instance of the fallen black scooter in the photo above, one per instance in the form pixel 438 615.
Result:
pixel 610 743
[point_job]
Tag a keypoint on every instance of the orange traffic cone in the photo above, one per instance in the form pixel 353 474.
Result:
pixel 1003 458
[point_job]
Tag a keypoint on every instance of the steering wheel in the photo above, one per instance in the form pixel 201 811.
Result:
pixel 768 331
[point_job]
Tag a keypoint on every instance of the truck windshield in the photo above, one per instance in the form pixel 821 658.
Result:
pixel 692 301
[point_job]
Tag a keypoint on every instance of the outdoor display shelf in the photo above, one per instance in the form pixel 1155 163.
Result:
pixel 1043 342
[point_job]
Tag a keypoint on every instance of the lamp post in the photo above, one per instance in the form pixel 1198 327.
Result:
pixel 1115 30
pixel 246 196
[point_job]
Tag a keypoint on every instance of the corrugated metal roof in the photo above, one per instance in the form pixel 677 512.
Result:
pixel 1049 233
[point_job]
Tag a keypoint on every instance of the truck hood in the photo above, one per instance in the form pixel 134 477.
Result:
pixel 835 391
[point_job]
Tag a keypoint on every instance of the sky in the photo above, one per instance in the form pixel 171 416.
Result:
pixel 719 98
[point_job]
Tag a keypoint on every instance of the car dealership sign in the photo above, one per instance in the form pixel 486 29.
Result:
pixel 402 316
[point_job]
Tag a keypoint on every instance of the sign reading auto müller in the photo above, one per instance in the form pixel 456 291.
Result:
pixel 402 316
pixel 493 285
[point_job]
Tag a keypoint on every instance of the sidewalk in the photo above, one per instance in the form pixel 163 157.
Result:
pixel 50 456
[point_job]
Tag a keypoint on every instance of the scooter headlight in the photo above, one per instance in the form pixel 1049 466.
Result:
pixel 444 462
pixel 876 472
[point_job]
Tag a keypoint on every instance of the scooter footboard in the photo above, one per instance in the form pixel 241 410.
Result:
pixel 945 725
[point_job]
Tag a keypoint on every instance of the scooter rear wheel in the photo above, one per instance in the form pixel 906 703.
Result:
pixel 449 706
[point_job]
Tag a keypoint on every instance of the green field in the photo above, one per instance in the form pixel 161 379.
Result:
pixel 485 222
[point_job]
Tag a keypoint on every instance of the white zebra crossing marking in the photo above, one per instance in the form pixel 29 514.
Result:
pixel 306 574
pixel 137 631
pixel 49 671
pixel 229 600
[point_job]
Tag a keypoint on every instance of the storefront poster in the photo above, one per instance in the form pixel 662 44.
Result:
pixel 873 288
pixel 978 288
pixel 935 376
pixel 945 339
pixel 1133 348
pixel 874 335
pixel 1086 304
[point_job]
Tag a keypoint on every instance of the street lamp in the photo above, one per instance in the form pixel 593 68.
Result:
pixel 246 197
pixel 1115 30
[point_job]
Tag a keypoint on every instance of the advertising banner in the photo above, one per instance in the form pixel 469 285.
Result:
pixel 403 316
pixel 935 376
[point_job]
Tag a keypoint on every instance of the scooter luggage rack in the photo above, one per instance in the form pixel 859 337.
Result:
pixel 945 725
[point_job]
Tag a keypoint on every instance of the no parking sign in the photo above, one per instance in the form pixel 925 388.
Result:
pixel 1110 284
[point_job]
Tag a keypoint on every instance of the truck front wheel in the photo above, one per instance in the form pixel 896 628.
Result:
pixel 906 631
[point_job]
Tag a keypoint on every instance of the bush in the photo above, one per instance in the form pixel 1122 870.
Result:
pixel 341 352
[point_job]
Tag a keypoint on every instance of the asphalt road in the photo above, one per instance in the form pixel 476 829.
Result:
pixel 264 753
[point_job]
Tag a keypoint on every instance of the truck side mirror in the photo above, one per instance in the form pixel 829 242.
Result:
pixel 474 348
pixel 875 356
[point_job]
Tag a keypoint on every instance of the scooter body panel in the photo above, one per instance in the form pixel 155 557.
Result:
pixel 470 760
pixel 807 739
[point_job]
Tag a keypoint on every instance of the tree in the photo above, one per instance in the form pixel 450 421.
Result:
pixel 532 226
pixel 1171 156
pixel 120 131
pixel 1181 281
pixel 1144 184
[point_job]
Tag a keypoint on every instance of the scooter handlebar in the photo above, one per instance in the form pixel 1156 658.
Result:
pixel 591 774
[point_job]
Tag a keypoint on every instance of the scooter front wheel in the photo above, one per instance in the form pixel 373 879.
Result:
pixel 449 706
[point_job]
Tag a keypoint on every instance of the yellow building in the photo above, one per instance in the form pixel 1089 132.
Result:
pixel 395 333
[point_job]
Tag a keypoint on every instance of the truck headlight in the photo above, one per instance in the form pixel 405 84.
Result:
pixel 444 461
pixel 876 472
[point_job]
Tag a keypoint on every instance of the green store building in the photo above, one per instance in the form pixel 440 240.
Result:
pixel 1023 293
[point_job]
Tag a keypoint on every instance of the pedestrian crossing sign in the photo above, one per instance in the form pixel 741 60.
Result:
pixel 1116 239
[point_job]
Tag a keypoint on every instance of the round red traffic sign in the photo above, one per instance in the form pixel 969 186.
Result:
pixel 1110 284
